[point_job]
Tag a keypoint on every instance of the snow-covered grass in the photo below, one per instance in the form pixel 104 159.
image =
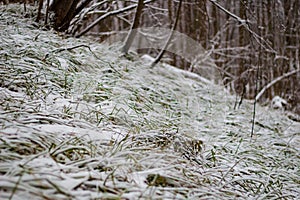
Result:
pixel 79 121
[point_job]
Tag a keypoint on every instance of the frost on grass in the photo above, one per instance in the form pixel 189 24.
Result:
pixel 85 123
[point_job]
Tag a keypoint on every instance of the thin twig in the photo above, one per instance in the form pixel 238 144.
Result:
pixel 245 24
pixel 69 49
pixel 102 17
pixel 254 105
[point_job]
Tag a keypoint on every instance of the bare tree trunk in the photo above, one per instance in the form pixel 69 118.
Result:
pixel 81 6
pixel 160 55
pixel 47 11
pixel 64 12
pixel 39 10
pixel 134 27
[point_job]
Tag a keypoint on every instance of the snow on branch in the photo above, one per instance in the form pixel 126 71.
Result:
pixel 260 40
pixel 115 12
pixel 275 81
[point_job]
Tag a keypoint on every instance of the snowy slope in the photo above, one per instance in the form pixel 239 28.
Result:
pixel 79 121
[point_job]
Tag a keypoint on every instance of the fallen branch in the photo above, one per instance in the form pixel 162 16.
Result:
pixel 275 81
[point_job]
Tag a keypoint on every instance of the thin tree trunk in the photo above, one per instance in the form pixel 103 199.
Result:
pixel 161 53
pixel 134 27
pixel 39 10
pixel 47 11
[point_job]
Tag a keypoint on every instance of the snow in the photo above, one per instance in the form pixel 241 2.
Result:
pixel 81 125
pixel 278 103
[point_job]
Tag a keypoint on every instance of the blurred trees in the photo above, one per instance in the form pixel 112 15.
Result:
pixel 252 43
pixel 272 47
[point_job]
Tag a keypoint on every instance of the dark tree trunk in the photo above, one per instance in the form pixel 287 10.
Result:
pixel 64 12
pixel 39 10
pixel 161 53
pixel 134 27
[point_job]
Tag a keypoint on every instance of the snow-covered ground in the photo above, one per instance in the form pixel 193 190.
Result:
pixel 79 121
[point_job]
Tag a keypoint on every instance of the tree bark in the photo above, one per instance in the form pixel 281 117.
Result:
pixel 134 27
pixel 161 53
pixel 64 12
pixel 39 10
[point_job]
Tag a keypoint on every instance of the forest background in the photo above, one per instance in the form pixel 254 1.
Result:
pixel 250 46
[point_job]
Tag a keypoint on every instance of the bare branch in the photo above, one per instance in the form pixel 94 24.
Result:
pixel 115 12
pixel 275 81
pixel 69 49
pixel 260 40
